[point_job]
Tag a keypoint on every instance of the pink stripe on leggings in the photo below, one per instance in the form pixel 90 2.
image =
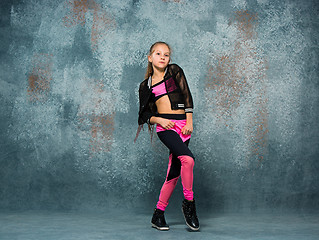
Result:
pixel 187 182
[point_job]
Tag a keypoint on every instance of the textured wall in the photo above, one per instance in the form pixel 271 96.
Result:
pixel 70 71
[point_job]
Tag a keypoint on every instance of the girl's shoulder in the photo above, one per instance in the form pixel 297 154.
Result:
pixel 144 83
pixel 174 68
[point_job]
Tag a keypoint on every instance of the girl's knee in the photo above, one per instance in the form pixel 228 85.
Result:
pixel 187 160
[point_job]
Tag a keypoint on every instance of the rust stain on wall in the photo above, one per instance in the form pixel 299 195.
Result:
pixel 78 10
pixel 40 77
pixel 97 125
pixel 258 128
pixel 102 23
pixel 245 22
pixel 102 132
pixel 230 86
pixel 102 20
pixel 239 79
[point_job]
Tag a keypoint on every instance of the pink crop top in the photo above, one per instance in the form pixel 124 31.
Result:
pixel 163 87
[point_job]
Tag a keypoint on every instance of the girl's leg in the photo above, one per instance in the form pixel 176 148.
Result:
pixel 181 164
pixel 187 176
pixel 172 176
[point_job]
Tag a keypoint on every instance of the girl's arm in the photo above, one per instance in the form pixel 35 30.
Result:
pixel 188 128
pixel 145 113
pixel 165 123
pixel 182 82
pixel 188 101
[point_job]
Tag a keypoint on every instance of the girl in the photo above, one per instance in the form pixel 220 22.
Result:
pixel 165 100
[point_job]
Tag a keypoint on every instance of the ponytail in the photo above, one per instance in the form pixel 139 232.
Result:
pixel 149 70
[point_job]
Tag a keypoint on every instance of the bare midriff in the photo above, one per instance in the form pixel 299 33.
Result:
pixel 163 105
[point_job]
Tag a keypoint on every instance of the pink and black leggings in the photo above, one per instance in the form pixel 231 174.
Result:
pixel 181 159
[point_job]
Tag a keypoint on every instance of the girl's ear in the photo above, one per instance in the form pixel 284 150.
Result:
pixel 149 58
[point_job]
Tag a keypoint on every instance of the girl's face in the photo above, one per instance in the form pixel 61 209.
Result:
pixel 160 56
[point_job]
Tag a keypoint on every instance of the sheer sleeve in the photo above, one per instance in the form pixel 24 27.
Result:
pixel 145 112
pixel 188 100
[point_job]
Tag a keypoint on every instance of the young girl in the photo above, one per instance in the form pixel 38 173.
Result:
pixel 165 100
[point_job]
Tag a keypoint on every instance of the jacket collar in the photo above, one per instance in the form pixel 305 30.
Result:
pixel 149 81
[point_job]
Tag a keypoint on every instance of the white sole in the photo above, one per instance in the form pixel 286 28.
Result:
pixel 160 228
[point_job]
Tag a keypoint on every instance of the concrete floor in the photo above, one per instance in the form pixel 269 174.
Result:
pixel 44 225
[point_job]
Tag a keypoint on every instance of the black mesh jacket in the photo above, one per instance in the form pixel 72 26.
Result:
pixel 178 93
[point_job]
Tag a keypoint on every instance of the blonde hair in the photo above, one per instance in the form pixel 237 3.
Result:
pixel 149 69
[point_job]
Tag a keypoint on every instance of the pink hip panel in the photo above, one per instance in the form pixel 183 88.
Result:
pixel 179 124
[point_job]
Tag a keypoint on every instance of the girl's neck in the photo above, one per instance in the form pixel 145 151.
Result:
pixel 158 73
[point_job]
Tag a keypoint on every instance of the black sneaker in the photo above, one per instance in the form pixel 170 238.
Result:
pixel 190 216
pixel 158 220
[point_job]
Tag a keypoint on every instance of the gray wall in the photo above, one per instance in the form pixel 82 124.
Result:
pixel 70 72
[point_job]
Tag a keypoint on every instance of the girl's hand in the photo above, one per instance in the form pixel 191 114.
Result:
pixel 187 129
pixel 165 123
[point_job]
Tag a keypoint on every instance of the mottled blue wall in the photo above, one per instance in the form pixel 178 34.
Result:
pixel 69 76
